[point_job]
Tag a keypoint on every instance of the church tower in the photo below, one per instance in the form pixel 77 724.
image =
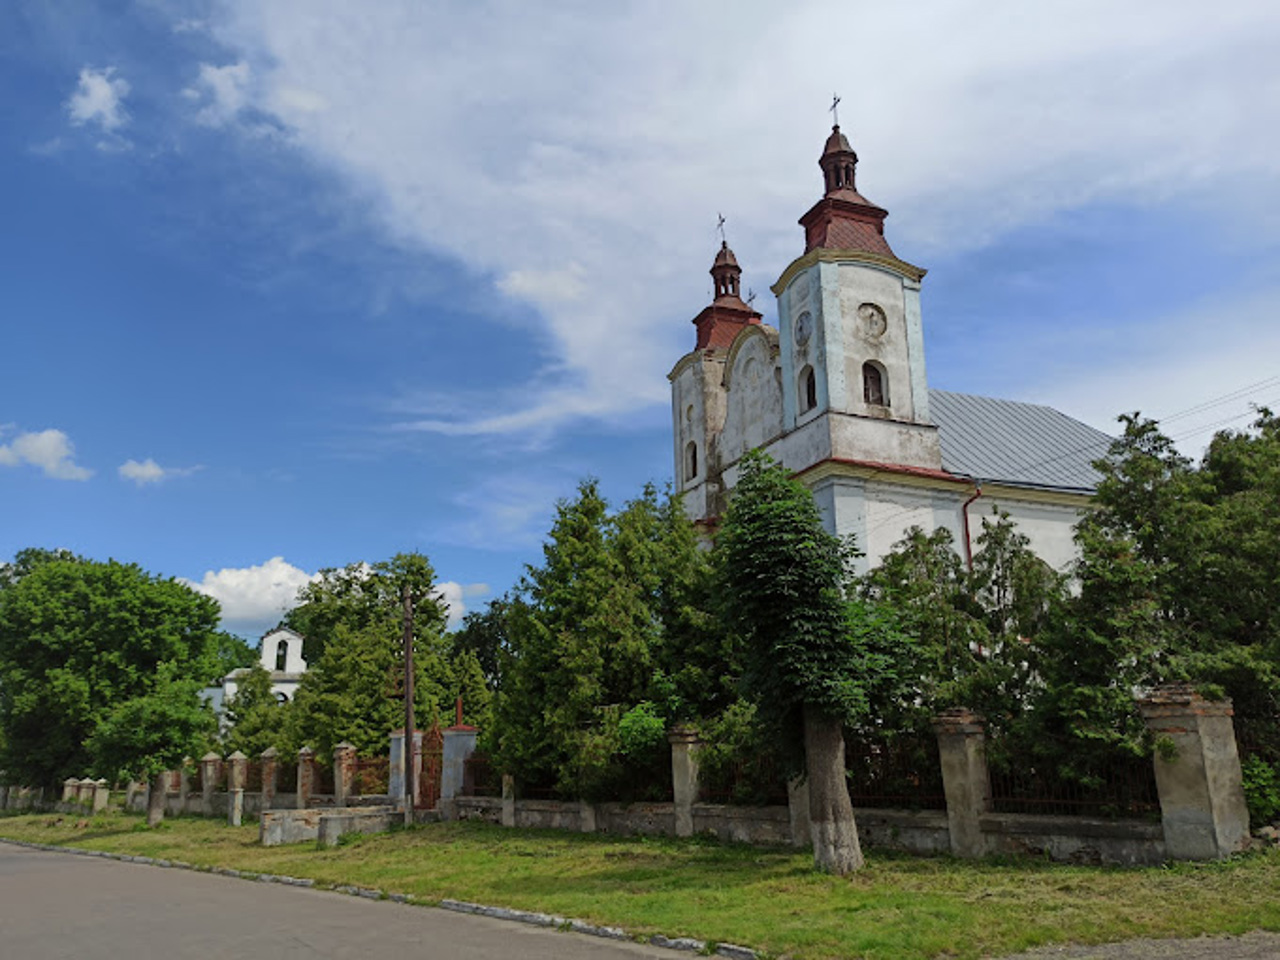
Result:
pixel 698 391
pixel 851 336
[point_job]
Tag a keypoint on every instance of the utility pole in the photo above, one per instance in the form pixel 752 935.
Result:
pixel 410 787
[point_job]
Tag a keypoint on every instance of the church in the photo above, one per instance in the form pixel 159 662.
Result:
pixel 838 394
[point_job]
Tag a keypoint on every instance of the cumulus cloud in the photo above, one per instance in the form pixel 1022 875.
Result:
pixel 148 471
pixel 50 450
pixel 98 100
pixel 608 138
pixel 455 597
pixel 254 598
pixel 223 93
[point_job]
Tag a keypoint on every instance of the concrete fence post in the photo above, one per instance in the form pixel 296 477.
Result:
pixel 508 800
pixel 184 784
pixel 684 776
pixel 101 795
pixel 210 773
pixel 237 773
pixel 459 745
pixel 270 759
pixel 70 789
pixel 962 748
pixel 344 771
pixel 798 811
pixel 306 776
pixel 84 792
pixel 1197 767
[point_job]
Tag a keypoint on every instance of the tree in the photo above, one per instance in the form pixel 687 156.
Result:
pixel 78 640
pixel 146 735
pixel 231 653
pixel 783 578
pixel 257 718
pixel 606 641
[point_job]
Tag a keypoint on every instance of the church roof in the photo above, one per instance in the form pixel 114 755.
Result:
pixel 1020 444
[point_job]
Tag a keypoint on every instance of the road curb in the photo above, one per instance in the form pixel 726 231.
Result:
pixel 550 921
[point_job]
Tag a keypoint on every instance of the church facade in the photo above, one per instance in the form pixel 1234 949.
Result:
pixel 838 393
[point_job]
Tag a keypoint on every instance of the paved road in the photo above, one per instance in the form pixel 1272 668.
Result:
pixel 57 905
pixel 1251 946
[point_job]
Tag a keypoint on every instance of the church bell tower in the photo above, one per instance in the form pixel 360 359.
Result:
pixel 850 332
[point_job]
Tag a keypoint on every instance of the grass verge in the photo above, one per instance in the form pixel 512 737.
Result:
pixel 897 907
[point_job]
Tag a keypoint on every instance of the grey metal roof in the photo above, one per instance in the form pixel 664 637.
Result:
pixel 1023 444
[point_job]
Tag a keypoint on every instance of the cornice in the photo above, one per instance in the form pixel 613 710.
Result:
pixel 825 255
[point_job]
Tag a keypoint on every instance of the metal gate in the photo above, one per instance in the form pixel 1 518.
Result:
pixel 430 762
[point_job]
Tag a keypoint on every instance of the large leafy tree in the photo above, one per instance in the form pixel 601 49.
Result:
pixel 605 644
pixel 353 689
pixel 810 660
pixel 80 641
pixel 257 718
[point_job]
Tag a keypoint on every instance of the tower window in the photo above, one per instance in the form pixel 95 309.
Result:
pixel 282 655
pixel 808 390
pixel 690 461
pixel 874 385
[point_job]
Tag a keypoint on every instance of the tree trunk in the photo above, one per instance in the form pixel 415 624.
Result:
pixel 155 800
pixel 835 835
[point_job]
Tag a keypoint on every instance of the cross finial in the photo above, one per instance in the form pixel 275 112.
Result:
pixel 751 296
pixel 835 114
pixel 720 227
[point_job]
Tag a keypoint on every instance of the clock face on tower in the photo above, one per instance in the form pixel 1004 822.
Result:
pixel 804 328
pixel 873 320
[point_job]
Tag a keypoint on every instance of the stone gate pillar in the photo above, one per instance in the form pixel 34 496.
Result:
pixel 306 776
pixel 684 776
pixel 210 773
pixel 344 771
pixel 962 748
pixel 1198 774
pixel 237 774
pixel 270 759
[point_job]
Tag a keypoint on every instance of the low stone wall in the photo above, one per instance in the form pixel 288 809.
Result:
pixel 277 827
pixel 336 823
pixel 1075 839
pixel 909 831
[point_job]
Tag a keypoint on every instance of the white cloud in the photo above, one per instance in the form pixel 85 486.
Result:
pixel 223 93
pixel 254 598
pixel 580 158
pixel 455 596
pixel 50 450
pixel 99 99
pixel 148 471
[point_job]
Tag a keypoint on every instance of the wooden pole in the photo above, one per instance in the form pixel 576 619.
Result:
pixel 410 791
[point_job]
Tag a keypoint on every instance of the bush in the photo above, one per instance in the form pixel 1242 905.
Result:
pixel 1261 790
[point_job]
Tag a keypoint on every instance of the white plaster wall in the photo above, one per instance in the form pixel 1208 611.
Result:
pixel 1050 527
pixel 687 418
pixel 753 399
pixel 293 663
pixel 858 284
pixel 885 441
pixel 801 295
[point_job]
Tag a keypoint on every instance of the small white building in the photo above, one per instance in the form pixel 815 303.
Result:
pixel 838 394
pixel 280 654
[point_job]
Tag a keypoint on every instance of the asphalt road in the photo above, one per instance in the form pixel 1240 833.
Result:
pixel 56 905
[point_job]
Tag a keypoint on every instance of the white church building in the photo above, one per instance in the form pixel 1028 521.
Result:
pixel 280 654
pixel 839 395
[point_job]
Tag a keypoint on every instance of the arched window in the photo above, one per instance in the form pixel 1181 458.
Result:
pixel 875 388
pixel 281 698
pixel 691 461
pixel 808 390
pixel 282 655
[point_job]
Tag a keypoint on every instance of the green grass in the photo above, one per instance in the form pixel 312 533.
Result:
pixel 771 899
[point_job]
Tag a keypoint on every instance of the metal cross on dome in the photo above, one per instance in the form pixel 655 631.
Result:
pixel 720 226
pixel 835 114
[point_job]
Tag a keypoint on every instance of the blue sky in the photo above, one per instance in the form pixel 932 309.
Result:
pixel 289 285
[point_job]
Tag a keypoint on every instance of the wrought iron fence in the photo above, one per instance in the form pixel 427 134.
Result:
pixel 1124 787
pixel 480 778
pixel 751 781
pixel 900 772
pixel 371 777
